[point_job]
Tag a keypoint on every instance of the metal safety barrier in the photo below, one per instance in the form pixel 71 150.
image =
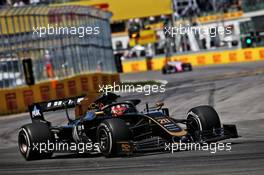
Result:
pixel 197 59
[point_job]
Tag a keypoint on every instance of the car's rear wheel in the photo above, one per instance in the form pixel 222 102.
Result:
pixel 109 132
pixel 30 137
pixel 164 70
pixel 202 118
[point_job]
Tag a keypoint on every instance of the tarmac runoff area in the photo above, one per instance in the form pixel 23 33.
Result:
pixel 237 93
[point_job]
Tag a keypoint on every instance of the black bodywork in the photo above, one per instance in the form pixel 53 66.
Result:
pixel 145 130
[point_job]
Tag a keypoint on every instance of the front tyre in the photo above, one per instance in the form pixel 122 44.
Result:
pixel 202 118
pixel 109 132
pixel 187 67
pixel 29 138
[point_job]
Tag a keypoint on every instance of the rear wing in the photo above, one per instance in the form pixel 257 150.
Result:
pixel 36 110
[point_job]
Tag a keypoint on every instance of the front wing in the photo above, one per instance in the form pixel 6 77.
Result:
pixel 159 144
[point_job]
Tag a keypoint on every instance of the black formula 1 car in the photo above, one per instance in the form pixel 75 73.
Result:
pixel 113 128
pixel 176 67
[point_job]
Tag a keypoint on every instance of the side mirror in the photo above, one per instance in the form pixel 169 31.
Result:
pixel 166 112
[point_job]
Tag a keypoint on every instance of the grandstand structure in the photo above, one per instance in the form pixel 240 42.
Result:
pixel 203 13
pixel 64 48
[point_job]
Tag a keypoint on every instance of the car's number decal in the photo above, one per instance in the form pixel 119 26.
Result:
pixel 163 121
pixel 168 124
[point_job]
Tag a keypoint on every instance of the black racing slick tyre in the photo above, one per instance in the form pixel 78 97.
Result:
pixel 164 70
pixel 187 67
pixel 202 118
pixel 190 67
pixel 109 132
pixel 30 136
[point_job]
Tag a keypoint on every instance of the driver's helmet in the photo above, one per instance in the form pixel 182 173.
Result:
pixel 118 110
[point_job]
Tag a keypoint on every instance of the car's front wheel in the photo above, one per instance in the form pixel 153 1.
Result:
pixel 202 118
pixel 187 67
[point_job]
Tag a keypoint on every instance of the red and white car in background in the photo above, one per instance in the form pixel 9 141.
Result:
pixel 175 67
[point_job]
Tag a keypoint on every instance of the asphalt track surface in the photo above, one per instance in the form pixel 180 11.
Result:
pixel 237 93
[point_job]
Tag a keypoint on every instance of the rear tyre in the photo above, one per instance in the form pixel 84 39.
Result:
pixel 29 138
pixel 109 132
pixel 202 118
pixel 164 70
